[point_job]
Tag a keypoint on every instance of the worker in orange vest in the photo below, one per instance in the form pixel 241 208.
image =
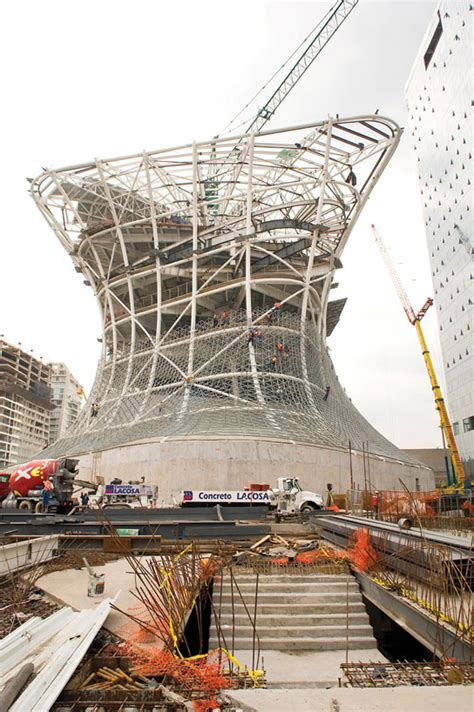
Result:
pixel 376 502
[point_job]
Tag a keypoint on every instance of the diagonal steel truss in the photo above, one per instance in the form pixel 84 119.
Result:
pixel 212 264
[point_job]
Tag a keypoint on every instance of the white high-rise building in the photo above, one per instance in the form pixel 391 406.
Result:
pixel 66 399
pixel 439 98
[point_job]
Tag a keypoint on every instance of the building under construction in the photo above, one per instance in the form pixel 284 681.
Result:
pixel 213 265
pixel 25 404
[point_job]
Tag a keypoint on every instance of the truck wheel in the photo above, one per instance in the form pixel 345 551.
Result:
pixel 307 508
pixel 25 505
pixel 39 507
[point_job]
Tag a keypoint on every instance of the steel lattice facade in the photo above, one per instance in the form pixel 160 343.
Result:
pixel 212 264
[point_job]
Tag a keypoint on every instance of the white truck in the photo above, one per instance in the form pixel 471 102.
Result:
pixel 286 498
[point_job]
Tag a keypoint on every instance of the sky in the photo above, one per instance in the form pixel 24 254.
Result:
pixel 104 78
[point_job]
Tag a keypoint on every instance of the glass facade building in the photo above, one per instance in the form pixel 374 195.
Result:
pixel 439 99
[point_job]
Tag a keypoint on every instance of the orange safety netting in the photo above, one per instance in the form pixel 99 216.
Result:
pixel 360 553
pixel 280 561
pixel 421 503
pixel 199 673
pixel 206 705
pixel 324 553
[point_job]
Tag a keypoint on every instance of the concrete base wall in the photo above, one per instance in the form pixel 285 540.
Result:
pixel 175 465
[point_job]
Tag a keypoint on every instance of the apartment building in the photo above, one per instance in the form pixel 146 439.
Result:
pixel 25 404
pixel 66 398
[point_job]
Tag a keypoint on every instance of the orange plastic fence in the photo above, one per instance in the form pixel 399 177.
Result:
pixel 310 557
pixel 203 672
pixel 360 553
pixel 422 503
pixel 280 561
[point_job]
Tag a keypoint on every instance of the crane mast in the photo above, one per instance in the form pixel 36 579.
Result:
pixel 415 320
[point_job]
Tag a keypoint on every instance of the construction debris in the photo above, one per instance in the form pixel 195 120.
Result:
pixel 55 646
pixel 296 553
pixel 106 677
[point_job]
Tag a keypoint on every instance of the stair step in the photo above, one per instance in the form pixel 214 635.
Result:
pixel 296 586
pixel 294 633
pixel 288 597
pixel 289 578
pixel 321 608
pixel 301 619
pixel 303 643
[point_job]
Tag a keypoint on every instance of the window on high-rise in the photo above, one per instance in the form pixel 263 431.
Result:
pixel 433 43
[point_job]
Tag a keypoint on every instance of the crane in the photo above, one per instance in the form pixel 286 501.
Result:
pixel 312 47
pixel 415 320
pixel 317 40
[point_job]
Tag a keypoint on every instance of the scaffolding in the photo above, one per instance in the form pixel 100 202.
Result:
pixel 212 264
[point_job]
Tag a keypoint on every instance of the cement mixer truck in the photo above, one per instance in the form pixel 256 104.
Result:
pixel 25 485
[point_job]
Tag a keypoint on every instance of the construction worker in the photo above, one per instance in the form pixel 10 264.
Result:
pixel 376 503
pixel 330 497
pixel 47 491
pixel 215 320
pixel 326 393
pixel 251 336
pixel 84 499
pixel 273 362
pixel 95 407
pixel 225 318
pixel 279 345
pixel 258 337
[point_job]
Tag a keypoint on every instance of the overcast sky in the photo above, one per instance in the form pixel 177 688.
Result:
pixel 106 77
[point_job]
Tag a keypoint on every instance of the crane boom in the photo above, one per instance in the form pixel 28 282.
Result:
pixel 318 40
pixel 415 320
pixel 399 288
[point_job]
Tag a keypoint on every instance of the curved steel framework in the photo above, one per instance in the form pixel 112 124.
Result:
pixel 212 264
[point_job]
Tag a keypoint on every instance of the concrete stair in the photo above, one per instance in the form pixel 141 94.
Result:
pixel 294 612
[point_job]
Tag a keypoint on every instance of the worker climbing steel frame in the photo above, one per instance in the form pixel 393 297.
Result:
pixel 251 225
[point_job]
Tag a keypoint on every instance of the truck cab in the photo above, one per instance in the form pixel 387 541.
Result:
pixel 304 500
pixel 4 488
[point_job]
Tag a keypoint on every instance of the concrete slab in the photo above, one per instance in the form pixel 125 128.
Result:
pixel 349 699
pixel 69 587
pixel 306 669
